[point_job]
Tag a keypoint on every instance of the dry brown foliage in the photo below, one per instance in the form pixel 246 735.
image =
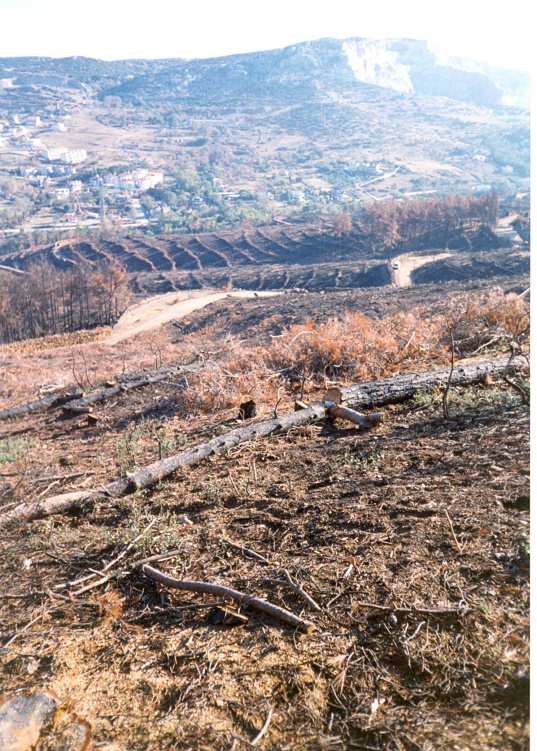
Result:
pixel 351 347
pixel 355 346
pixel 490 317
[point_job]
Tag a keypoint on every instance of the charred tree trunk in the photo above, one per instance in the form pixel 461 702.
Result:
pixel 76 403
pixel 84 404
pixel 39 405
pixel 403 387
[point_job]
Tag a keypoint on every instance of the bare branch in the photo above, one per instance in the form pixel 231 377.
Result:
pixel 242 598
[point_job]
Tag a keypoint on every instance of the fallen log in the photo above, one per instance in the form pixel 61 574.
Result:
pixel 376 393
pixel 403 387
pixel 12 269
pixel 76 402
pixel 83 405
pixel 242 598
pixel 39 405
pixel 159 470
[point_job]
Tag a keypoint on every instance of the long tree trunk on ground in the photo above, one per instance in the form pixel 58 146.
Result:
pixel 373 394
pixel 39 405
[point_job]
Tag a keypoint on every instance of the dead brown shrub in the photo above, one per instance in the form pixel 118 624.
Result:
pixel 355 346
pixel 494 316
pixel 241 374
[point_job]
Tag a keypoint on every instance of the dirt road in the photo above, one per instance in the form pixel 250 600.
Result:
pixel 158 310
pixel 402 266
pixel 505 232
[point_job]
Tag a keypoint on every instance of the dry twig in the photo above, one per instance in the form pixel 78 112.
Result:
pixel 445 407
pixel 242 598
pixel 263 730
pixel 300 591
pixel 248 552
pixel 459 548
pixel 415 610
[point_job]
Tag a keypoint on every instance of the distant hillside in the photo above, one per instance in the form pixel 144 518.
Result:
pixel 326 66
pixel 310 128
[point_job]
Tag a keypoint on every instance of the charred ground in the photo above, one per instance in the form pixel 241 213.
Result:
pixel 413 539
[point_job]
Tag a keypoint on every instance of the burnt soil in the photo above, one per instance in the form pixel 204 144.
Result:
pixel 265 317
pixel 421 512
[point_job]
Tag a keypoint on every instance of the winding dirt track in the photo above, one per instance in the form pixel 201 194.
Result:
pixel 158 310
pixel 401 267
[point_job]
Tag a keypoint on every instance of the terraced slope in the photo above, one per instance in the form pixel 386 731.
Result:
pixel 338 275
pixel 255 246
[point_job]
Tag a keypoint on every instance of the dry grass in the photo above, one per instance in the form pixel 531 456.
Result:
pixel 85 361
pixel 55 341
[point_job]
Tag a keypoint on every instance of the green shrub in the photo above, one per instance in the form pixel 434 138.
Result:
pixel 12 448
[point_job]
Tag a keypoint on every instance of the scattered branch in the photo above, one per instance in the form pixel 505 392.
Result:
pixel 459 548
pixel 263 730
pixel 248 552
pixel 415 610
pixel 300 591
pixel 241 598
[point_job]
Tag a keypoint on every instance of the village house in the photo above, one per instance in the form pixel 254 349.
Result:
pixel 68 156
pixel 61 193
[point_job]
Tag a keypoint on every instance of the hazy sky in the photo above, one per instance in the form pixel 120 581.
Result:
pixel 496 31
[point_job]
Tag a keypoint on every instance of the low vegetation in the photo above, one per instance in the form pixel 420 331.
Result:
pixel 354 347
pixel 12 448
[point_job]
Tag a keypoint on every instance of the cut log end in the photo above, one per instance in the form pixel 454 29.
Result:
pixel 357 418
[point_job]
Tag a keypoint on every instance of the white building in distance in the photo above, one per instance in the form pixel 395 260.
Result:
pixel 138 180
pixel 67 156
pixel 76 156
pixel 56 155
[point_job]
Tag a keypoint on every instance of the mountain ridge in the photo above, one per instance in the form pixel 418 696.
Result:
pixel 401 64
